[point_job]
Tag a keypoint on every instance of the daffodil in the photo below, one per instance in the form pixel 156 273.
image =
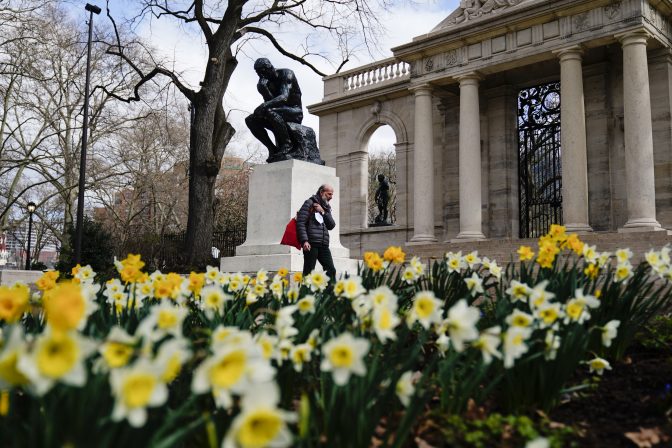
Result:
pixel 344 356
pixel 623 272
pixel 136 388
pixel 300 354
pixel 267 343
pixel 461 324
pixel 68 305
pixel 317 281
pixel 352 287
pixel 229 335
pixel 539 296
pixel 117 349
pixel 14 301
pixel 525 253
pixel 394 254
pixel 57 356
pixel 548 314
pixel 472 259
pixel 11 350
pixel 551 345
pixel 84 274
pixel 426 309
pixel 518 291
pixel 598 365
pixel 576 309
pixel 417 266
pixel 231 370
pixel 404 388
pixel 488 342
pixel 260 422
pixel 455 262
pixel 47 281
pixel 306 305
pixel 589 253
pixel 383 296
pixel 609 332
pixel 519 319
pixel 163 319
pixel 474 284
pixel 171 357
pixel 385 320
pixel 515 344
pixel 373 261
pixel 213 299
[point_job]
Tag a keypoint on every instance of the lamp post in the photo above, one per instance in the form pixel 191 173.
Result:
pixel 31 209
pixel 93 9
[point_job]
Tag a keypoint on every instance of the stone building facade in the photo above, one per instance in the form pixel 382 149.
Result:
pixel 452 97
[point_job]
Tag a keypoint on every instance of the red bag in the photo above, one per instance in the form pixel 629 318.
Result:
pixel 290 237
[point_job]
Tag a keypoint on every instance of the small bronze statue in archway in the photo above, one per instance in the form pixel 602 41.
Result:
pixel 382 200
pixel 282 114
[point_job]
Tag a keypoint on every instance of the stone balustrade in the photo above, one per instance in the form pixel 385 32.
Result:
pixel 375 74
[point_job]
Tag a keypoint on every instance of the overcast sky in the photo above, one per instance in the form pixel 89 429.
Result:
pixel 184 46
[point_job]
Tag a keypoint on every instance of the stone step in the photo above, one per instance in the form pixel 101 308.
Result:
pixel 504 250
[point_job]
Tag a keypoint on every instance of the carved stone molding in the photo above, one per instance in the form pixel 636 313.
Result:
pixel 474 9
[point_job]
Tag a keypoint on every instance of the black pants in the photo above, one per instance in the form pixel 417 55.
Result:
pixel 321 254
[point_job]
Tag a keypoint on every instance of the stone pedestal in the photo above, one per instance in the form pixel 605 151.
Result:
pixel 9 276
pixel 277 192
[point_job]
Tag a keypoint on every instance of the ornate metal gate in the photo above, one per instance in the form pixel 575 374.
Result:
pixel 539 159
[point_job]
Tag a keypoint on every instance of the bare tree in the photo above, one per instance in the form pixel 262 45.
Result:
pixel 225 27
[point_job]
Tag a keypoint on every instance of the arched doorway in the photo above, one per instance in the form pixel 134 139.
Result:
pixel 382 177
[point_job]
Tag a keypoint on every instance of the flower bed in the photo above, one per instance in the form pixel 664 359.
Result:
pixel 220 359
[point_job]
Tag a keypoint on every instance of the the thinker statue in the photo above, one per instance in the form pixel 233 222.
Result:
pixel 382 200
pixel 281 113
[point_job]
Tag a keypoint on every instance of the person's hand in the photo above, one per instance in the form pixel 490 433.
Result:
pixel 318 208
pixel 263 81
pixel 306 246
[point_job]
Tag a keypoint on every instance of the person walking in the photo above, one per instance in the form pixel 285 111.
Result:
pixel 313 223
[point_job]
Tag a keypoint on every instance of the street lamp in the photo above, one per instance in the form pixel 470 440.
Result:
pixel 93 9
pixel 31 209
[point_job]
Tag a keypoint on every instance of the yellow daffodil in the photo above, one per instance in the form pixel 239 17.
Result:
pixel 525 253
pixel 394 254
pixel 14 301
pixel 47 281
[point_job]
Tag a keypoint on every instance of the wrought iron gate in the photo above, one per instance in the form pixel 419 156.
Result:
pixel 539 159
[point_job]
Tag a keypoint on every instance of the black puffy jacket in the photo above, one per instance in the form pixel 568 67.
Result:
pixel 308 228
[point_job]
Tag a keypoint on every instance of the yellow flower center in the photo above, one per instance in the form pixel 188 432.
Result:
pixel 266 348
pixel 574 310
pixel 117 354
pixel 517 340
pixel 341 356
pixel 259 428
pixel 57 356
pixel 424 307
pixel 166 319
pixel 228 370
pixel 521 321
pixel 385 321
pixel 549 315
pixel 137 389
pixel 305 305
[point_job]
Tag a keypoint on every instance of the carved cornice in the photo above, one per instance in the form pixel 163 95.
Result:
pixel 475 9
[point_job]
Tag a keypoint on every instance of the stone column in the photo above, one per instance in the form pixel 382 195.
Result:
pixel 638 134
pixel 573 138
pixel 470 160
pixel 423 167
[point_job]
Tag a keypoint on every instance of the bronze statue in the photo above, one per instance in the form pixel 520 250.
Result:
pixel 281 113
pixel 382 199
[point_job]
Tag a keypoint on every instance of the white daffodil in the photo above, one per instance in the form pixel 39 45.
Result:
pixel 223 279
pixel 488 342
pixel 117 349
pixel 227 336
pixel 598 365
pixel 293 293
pixel 300 354
pixel 576 309
pixel 603 258
pixel 213 299
pixel 548 314
pixel 409 275
pixel 384 322
pixel 461 324
pixel 344 356
pixel 12 348
pixel 519 319
pixel 383 296
pixel 314 338
pixel 268 344
pixel 353 288
pixel 474 284
pixel 551 345
pixel 404 388
pixel 85 274
pixel 56 357
pixel 539 296
pixel 623 255
pixel 442 343
pixel 231 370
pixel 211 275
pixel 277 287
pixel 317 281
pixel 589 253
pixel 514 344
pixel 518 291
pixel 495 270
pixel 472 259
pixel 362 307
pixel 262 276
pixel 285 347
pixel 136 388
pixel 306 305
pixel 163 319
pixel 455 262
pixel 426 309
pixel 623 272
pixel 285 317
pixel 609 332
pixel 171 357
pixel 260 422
pixel 112 287
pixel 417 266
